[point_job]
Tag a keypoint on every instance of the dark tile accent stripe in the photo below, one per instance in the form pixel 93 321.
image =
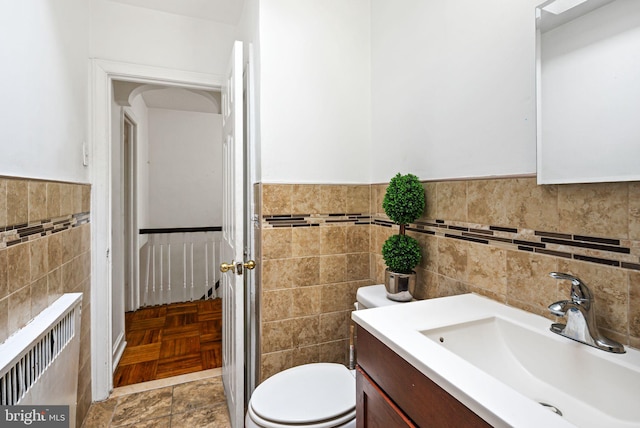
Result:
pixel 597 260
pixel 520 247
pixel 490 238
pixel 439 221
pixel 530 244
pixel 33 230
pixel 552 235
pixel 483 231
pixel 167 230
pixel 463 229
pixel 503 229
pixel 280 219
pixel 427 232
pixel 553 253
pixel 288 223
pixel 634 266
pixel 598 240
pixel 622 250
pixel 466 238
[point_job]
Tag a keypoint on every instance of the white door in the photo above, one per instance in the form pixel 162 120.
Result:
pixel 232 233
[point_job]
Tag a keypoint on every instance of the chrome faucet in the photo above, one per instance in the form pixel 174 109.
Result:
pixel 581 316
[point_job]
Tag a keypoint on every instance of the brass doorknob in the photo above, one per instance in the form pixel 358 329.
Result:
pixel 225 267
pixel 250 264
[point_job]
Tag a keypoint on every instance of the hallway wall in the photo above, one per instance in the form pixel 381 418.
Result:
pixel 185 169
pixel 45 251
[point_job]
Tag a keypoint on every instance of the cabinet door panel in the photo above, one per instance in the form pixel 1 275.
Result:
pixel 374 409
pixel 422 400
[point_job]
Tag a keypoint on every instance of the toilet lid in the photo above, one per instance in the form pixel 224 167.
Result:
pixel 306 394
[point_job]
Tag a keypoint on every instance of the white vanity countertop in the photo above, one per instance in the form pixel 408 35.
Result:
pixel 399 327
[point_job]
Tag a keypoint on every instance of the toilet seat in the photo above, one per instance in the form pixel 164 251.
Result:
pixel 320 395
pixel 331 423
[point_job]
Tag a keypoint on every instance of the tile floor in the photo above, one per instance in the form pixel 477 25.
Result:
pixel 190 401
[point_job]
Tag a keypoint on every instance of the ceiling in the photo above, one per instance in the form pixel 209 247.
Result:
pixel 167 97
pixel 182 99
pixel 224 11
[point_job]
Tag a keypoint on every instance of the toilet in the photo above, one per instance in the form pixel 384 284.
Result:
pixel 318 395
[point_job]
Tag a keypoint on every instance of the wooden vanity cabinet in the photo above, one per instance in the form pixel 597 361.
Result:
pixel 393 393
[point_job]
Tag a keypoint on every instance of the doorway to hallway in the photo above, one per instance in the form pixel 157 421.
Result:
pixel 103 74
pixel 166 231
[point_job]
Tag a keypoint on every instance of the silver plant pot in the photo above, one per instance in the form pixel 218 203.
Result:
pixel 400 286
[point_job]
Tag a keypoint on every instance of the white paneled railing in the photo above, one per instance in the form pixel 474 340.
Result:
pixel 179 265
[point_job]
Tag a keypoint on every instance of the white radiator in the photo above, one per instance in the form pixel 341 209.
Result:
pixel 39 363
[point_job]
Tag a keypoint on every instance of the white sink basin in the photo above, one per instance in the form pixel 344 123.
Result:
pixel 502 362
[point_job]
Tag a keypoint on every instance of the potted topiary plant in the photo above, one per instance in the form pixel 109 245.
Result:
pixel 403 203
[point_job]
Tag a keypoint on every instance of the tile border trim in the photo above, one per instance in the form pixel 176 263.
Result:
pixel 620 253
pixel 614 252
pixel 16 234
pixel 313 220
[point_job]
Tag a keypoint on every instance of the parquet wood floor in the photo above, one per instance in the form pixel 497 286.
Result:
pixel 171 340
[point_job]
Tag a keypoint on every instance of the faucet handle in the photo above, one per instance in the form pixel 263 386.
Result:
pixel 580 293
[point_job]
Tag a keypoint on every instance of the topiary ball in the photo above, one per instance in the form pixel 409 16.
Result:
pixel 404 200
pixel 401 253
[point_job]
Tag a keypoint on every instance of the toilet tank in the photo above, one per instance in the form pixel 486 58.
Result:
pixel 373 296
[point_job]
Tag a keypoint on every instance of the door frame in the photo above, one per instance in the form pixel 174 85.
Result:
pixel 130 206
pixel 102 74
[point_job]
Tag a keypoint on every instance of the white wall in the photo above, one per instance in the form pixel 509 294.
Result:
pixel 315 91
pixel 248 32
pixel 124 33
pixel 139 114
pixel 43 115
pixel 453 88
pixel 185 169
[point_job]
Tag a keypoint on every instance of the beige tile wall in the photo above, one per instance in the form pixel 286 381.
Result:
pixel 37 271
pixel 310 274
pixel 520 278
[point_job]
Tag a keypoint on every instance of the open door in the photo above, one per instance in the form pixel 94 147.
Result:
pixel 232 246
